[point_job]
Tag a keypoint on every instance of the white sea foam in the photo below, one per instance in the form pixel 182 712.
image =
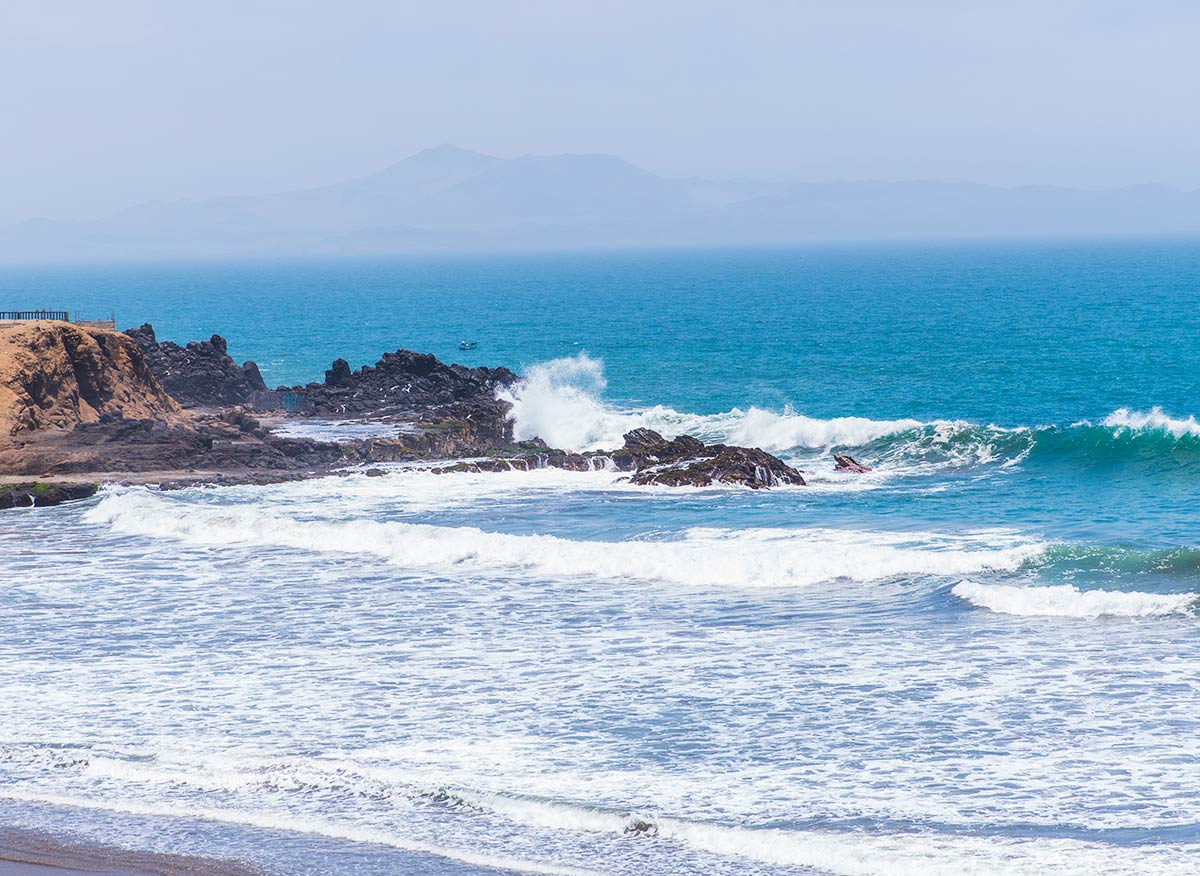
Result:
pixel 304 824
pixel 929 854
pixel 1153 419
pixel 417 490
pixel 705 557
pixel 561 402
pixel 857 854
pixel 1064 600
pixel 843 854
pixel 776 432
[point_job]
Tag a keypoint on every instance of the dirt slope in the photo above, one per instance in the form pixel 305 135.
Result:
pixel 54 375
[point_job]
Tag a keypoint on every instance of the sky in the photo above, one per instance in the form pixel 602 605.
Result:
pixel 108 104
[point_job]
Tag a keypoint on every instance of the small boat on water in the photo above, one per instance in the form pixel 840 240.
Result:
pixel 468 345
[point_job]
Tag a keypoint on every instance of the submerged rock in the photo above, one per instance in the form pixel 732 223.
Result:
pixel 641 827
pixel 849 463
pixel 41 495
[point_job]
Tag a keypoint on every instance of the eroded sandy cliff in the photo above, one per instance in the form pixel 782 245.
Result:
pixel 55 375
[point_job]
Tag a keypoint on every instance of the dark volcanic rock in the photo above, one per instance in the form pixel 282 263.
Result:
pixel 746 466
pixel 448 412
pixel 645 447
pixel 207 444
pixel 339 374
pixel 201 374
pixel 404 382
pixel 849 463
pixel 536 456
pixel 687 461
pixel 652 459
pixel 458 405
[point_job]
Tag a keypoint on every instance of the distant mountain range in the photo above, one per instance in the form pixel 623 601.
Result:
pixel 449 199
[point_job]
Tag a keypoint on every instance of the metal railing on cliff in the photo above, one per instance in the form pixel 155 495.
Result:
pixel 25 315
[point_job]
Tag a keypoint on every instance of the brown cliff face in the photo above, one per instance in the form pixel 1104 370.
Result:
pixel 55 375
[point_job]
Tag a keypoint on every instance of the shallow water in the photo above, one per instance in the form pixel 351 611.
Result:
pixel 980 657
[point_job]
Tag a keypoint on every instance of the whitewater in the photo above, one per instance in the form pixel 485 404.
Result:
pixel 979 657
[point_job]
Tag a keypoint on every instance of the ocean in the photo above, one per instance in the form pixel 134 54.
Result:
pixel 981 657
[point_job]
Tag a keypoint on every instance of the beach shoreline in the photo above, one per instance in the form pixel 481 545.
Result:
pixel 25 852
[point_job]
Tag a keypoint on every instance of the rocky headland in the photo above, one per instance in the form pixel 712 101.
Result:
pixel 55 375
pixel 80 406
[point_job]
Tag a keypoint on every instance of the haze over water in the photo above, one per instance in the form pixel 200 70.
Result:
pixel 980 657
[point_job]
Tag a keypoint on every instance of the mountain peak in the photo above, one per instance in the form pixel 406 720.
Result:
pixel 447 153
pixel 437 166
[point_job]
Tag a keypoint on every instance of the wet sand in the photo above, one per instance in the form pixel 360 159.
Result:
pixel 29 853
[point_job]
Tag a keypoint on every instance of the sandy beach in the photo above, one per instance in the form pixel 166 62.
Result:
pixel 29 853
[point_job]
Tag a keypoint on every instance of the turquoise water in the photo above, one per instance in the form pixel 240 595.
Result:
pixel 980 657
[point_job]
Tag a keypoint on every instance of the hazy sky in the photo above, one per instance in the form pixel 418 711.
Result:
pixel 105 103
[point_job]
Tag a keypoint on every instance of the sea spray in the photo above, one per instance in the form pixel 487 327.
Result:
pixel 788 431
pixel 561 402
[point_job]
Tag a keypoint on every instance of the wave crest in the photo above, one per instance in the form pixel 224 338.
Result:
pixel 1153 420
pixel 1065 600
pixel 789 430
pixel 703 557
pixel 560 401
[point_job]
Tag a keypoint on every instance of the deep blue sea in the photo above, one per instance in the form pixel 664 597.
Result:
pixel 981 657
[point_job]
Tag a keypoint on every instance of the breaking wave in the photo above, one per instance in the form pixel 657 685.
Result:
pixel 1072 559
pixel 561 401
pixel 1153 420
pixel 1123 440
pixel 705 557
pixel 1065 600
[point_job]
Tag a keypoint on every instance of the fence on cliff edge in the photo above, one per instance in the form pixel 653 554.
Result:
pixel 28 315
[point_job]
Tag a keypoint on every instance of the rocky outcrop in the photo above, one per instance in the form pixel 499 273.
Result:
pixel 528 456
pixel 204 450
pixel 849 463
pixel 404 382
pixel 456 405
pixel 688 461
pixel 201 374
pixel 743 466
pixel 42 495
pixel 652 459
pixel 56 375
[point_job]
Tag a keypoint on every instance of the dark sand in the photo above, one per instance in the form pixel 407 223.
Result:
pixel 28 853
